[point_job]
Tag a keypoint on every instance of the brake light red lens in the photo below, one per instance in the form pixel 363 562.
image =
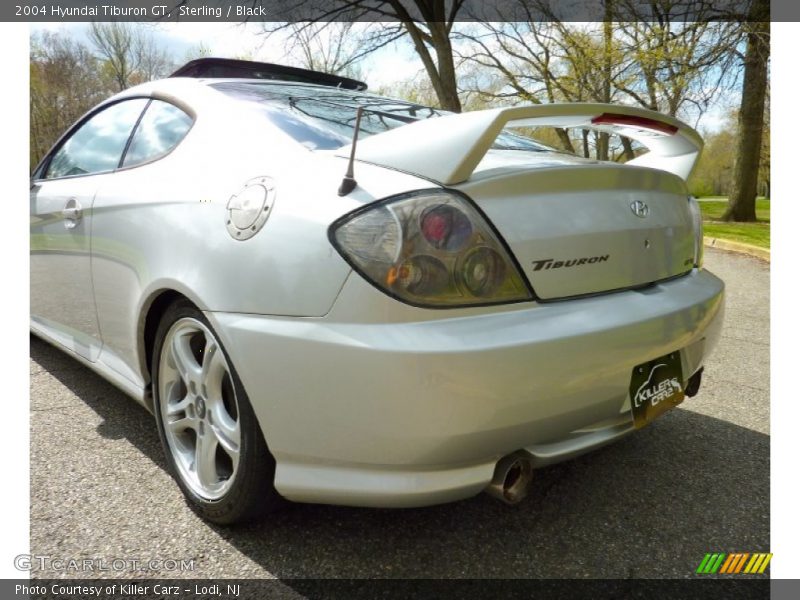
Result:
pixel 635 122
pixel 445 227
pixel 435 228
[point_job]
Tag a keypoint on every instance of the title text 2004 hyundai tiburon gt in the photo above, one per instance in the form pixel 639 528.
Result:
pixel 429 314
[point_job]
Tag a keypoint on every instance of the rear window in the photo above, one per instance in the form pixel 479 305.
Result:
pixel 324 118
pixel 161 128
pixel 97 145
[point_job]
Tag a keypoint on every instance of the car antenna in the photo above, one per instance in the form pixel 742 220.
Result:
pixel 349 183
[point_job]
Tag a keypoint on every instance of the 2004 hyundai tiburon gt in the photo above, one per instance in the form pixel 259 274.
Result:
pixel 464 306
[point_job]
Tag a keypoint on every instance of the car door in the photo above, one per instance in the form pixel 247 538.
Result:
pixel 61 198
pixel 128 214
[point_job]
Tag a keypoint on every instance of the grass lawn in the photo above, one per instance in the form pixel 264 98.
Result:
pixel 756 234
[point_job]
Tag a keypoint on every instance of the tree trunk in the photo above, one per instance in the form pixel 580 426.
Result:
pixel 442 74
pixel 603 139
pixel 627 148
pixel 448 87
pixel 602 146
pixel 563 137
pixel 742 202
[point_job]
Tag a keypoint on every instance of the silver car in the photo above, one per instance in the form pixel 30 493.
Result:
pixel 328 296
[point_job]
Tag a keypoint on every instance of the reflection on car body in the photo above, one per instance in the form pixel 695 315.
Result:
pixel 471 310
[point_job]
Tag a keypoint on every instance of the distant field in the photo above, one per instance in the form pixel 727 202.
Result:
pixel 756 234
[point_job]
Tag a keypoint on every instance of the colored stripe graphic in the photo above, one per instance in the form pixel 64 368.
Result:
pixel 758 563
pixel 765 563
pixel 749 567
pixel 717 564
pixel 741 562
pixel 731 564
pixel 711 563
pixel 703 563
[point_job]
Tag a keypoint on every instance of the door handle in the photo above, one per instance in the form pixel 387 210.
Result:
pixel 72 213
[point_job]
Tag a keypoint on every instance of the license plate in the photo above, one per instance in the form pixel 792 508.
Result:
pixel 656 387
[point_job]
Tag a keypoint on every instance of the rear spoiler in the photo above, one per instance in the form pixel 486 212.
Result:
pixel 216 68
pixel 448 149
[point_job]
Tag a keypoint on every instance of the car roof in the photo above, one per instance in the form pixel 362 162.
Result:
pixel 200 94
pixel 191 86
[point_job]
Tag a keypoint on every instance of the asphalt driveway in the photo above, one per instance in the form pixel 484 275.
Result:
pixel 652 505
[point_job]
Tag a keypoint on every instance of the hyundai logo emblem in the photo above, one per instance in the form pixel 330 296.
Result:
pixel 640 209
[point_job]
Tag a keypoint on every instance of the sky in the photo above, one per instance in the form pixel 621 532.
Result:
pixel 786 214
pixel 385 67
pixel 390 65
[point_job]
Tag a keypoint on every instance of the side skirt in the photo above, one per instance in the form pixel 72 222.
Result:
pixel 137 392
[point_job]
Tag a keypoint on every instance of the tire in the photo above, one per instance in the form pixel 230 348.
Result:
pixel 213 444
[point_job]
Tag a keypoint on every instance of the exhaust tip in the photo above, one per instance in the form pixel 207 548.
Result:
pixel 693 385
pixel 512 478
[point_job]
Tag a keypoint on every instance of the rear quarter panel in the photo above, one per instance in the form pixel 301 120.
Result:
pixel 162 226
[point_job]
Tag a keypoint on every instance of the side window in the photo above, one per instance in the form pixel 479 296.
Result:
pixel 162 128
pixel 98 144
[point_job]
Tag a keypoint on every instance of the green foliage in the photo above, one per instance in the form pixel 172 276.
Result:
pixel 198 50
pixel 64 84
pixel 677 68
pixel 417 90
pixel 712 176
pixel 713 209
pixel 714 171
pixel 757 234
pixel 68 77
pixel 701 187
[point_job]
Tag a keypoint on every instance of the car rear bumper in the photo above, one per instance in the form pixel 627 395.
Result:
pixel 395 412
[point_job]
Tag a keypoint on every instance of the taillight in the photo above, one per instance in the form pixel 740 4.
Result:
pixel 430 248
pixel 634 122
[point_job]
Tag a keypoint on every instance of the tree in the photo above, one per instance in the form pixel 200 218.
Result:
pixel 433 33
pixel 417 90
pixel 198 50
pixel 428 24
pixel 677 68
pixel 668 65
pixel 151 60
pixel 68 78
pixel 533 61
pixel 63 86
pixel 130 54
pixel 328 47
pixel 764 165
pixel 742 200
pixel 712 176
pixel 114 43
pixel 521 61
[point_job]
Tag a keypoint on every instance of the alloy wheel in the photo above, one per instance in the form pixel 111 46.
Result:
pixel 199 409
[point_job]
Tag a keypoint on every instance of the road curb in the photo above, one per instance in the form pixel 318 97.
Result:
pixel 762 253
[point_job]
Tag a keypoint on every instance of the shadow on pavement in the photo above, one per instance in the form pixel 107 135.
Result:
pixel 650 506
